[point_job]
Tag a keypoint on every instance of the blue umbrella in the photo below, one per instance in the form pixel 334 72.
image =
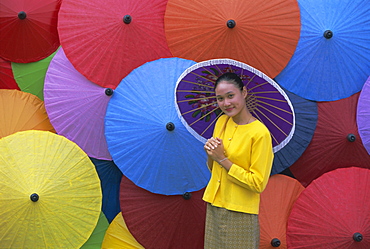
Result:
pixel 145 136
pixel 110 179
pixel 332 58
pixel 305 125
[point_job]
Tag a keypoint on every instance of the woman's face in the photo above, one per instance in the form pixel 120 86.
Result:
pixel 231 99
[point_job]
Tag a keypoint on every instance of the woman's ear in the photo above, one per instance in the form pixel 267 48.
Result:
pixel 244 92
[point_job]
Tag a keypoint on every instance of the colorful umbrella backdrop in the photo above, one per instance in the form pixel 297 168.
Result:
pixel 50 192
pixel 276 204
pixel 332 59
pixel 30 77
pixel 363 115
pixel 7 80
pixel 332 212
pixel 106 40
pixel 305 112
pixel 160 221
pixel 20 111
pixel 118 236
pixel 76 106
pixel 335 142
pixel 198 109
pixel 145 136
pixel 96 239
pixel 263 34
pixel 28 29
pixel 110 179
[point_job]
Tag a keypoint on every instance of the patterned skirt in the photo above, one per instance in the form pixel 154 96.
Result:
pixel 228 229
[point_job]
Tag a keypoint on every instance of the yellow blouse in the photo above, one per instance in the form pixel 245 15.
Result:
pixel 249 147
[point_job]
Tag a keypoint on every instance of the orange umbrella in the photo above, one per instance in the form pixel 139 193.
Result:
pixel 276 204
pixel 263 34
pixel 20 111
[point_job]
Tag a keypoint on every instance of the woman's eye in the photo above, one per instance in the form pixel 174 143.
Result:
pixel 231 96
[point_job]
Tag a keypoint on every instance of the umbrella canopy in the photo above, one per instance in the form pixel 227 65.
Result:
pixel 305 112
pixel 118 236
pixel 96 239
pixel 20 111
pixel 198 109
pixel 276 204
pixel 30 77
pixel 145 136
pixel 263 34
pixel 335 142
pixel 332 59
pixel 110 179
pixel 363 115
pixel 28 29
pixel 332 212
pixel 160 221
pixel 50 192
pixel 106 40
pixel 7 80
pixel 76 106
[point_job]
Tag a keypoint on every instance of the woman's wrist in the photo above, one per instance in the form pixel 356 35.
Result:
pixel 220 161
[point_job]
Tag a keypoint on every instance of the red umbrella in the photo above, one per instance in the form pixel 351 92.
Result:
pixel 335 142
pixel 105 40
pixel 332 212
pixel 276 204
pixel 28 29
pixel 161 221
pixel 7 80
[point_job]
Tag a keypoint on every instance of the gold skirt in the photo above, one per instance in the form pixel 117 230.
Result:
pixel 228 229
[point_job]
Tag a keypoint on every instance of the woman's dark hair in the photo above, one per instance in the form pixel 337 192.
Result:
pixel 231 78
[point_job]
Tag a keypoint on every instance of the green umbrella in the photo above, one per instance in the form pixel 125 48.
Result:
pixel 96 239
pixel 30 76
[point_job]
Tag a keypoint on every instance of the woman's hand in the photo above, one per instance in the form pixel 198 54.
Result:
pixel 215 149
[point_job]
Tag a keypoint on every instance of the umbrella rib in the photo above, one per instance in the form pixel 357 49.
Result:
pixel 193 91
pixel 273 113
pixel 210 125
pixel 196 83
pixel 188 100
pixel 209 113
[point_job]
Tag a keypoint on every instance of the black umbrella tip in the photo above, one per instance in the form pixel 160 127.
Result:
pixel 34 197
pixel 170 126
pixel 351 137
pixel 109 91
pixel 328 34
pixel 127 19
pixel 22 15
pixel 186 196
pixel 357 237
pixel 275 242
pixel 230 24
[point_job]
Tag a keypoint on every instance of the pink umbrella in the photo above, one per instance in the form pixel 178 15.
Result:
pixel 76 106
pixel 363 115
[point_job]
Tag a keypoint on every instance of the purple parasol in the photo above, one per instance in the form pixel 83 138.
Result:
pixel 197 106
pixel 363 115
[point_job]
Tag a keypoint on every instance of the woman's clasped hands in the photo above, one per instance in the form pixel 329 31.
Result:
pixel 215 148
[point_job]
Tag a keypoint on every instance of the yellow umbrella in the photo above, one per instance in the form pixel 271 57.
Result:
pixel 118 235
pixel 50 194
pixel 20 111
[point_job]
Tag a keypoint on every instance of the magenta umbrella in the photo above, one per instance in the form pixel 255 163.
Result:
pixel 363 115
pixel 76 106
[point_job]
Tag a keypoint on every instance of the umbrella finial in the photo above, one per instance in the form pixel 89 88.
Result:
pixel 34 197
pixel 351 137
pixel 186 196
pixel 231 24
pixel 170 126
pixel 22 15
pixel 275 242
pixel 357 237
pixel 127 19
pixel 109 91
pixel 328 34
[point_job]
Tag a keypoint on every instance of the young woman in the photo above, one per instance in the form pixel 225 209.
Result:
pixel 240 157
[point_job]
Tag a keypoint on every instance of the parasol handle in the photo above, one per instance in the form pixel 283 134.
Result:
pixel 22 15
pixel 351 137
pixel 170 126
pixel 328 34
pixel 34 197
pixel 186 195
pixel 275 242
pixel 357 237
